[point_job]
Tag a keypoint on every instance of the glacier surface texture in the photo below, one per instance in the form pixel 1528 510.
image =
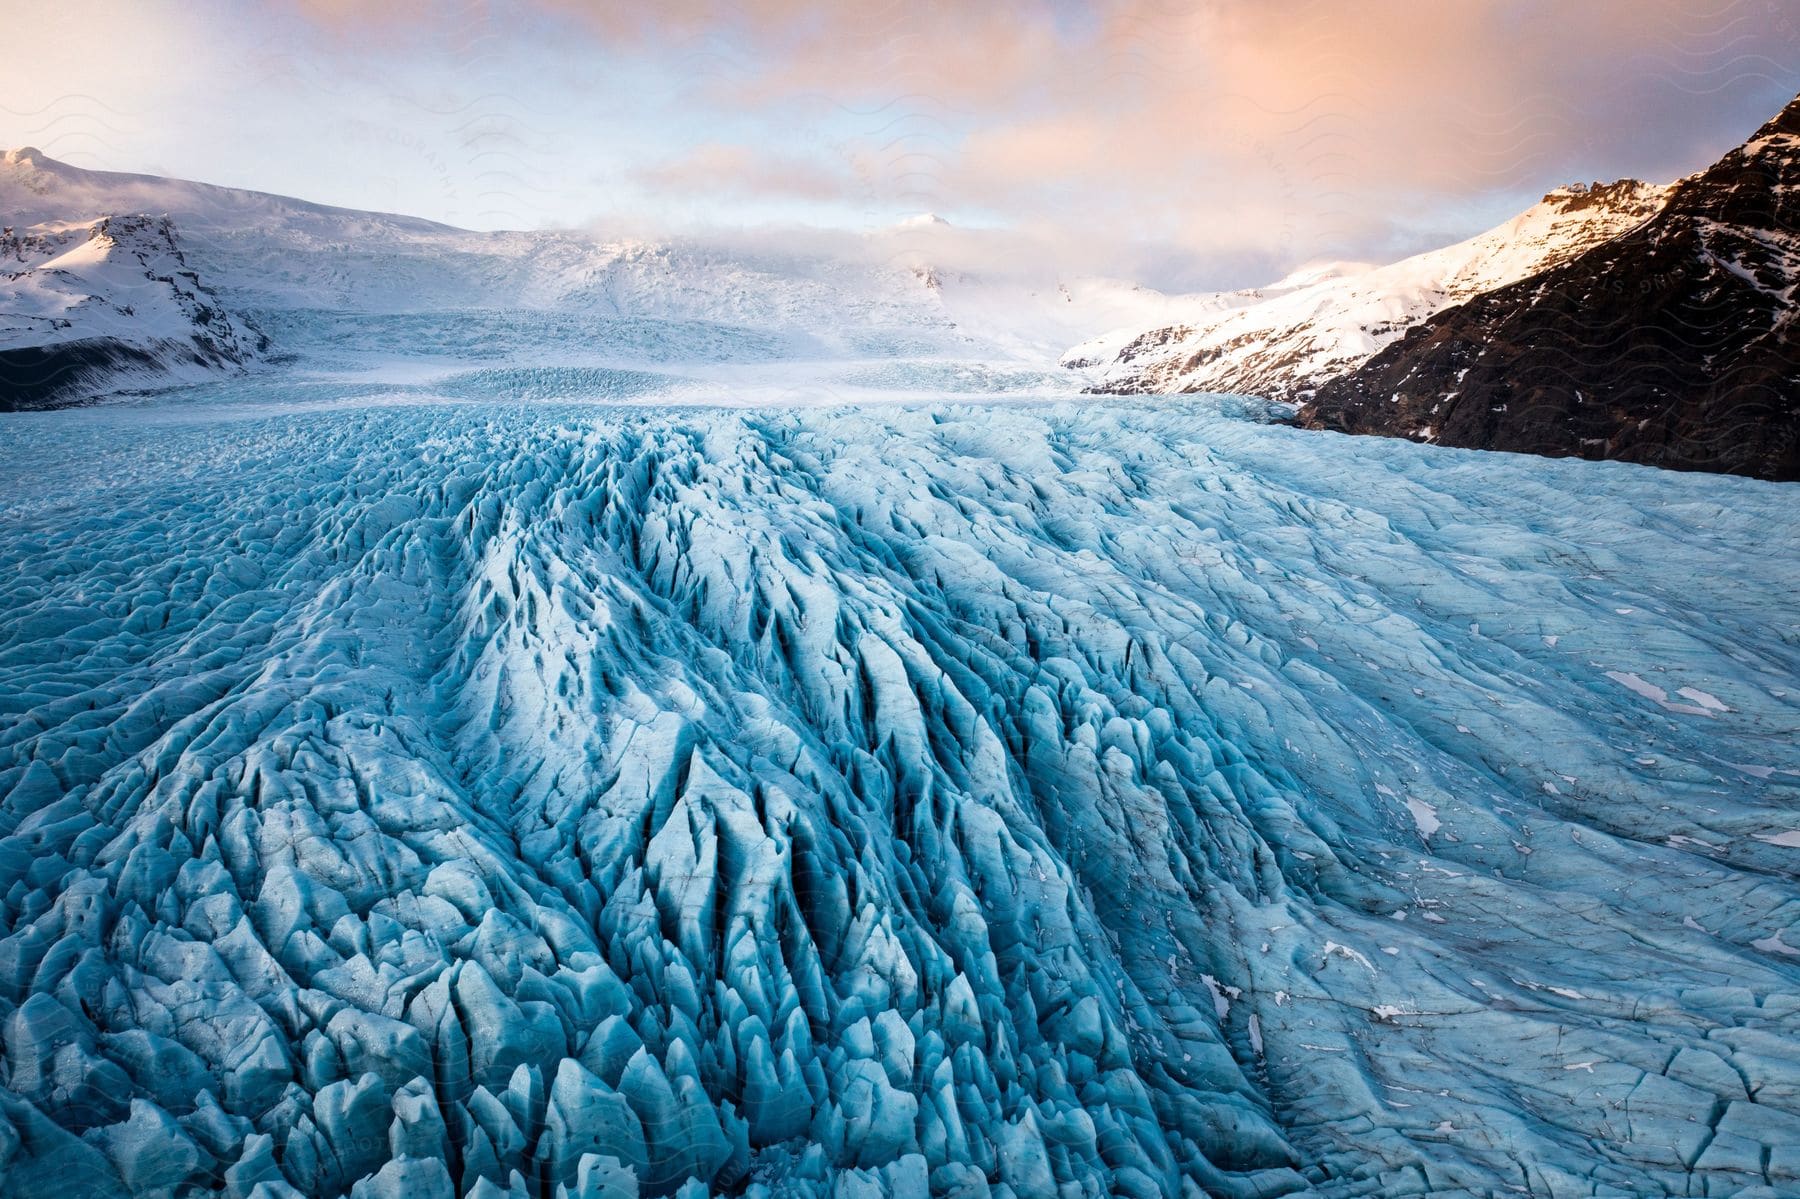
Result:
pixel 421 800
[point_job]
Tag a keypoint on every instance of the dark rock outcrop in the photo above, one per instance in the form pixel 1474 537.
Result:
pixel 57 374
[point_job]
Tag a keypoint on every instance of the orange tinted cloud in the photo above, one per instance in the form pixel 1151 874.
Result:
pixel 1285 127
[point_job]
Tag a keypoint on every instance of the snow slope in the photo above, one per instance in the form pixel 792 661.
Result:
pixel 1283 341
pixel 467 798
pixel 273 255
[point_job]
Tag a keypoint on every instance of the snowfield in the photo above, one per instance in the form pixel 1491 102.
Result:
pixel 439 788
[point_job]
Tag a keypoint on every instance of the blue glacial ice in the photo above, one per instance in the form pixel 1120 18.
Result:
pixel 417 800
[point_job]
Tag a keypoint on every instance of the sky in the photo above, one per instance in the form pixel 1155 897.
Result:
pixel 1191 146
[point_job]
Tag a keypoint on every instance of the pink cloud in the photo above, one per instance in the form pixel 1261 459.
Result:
pixel 1283 127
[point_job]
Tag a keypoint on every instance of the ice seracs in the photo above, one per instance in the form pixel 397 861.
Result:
pixel 543 741
pixel 1110 798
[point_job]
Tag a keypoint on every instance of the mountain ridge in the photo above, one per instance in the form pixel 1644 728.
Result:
pixel 1284 341
pixel 1674 344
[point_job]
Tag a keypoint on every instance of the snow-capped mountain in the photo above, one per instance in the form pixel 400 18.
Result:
pixel 1285 340
pixel 106 302
pixel 268 252
pixel 1676 343
pixel 300 269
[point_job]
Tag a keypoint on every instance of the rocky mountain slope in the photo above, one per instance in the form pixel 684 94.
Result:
pixel 1674 344
pixel 108 302
pixel 1284 341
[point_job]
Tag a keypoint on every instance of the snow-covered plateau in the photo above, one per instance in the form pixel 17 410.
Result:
pixel 584 720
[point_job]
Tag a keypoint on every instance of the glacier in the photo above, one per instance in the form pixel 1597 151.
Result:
pixel 563 781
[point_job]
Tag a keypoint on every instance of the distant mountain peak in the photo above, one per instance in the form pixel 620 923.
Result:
pixel 1573 197
pixel 1317 271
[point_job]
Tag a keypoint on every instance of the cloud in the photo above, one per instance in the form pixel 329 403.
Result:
pixel 1232 136
pixel 739 170
pixel 1290 119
